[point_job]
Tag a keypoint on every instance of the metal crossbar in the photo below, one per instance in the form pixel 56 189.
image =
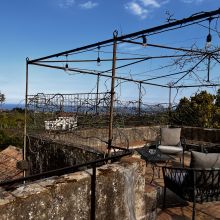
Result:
pixel 64 170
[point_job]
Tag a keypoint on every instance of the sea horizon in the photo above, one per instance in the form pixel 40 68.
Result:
pixel 10 106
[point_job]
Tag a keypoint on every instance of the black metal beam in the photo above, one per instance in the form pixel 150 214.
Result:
pixel 199 85
pixel 93 194
pixel 191 69
pixel 216 59
pixel 128 64
pixel 135 34
pixel 144 59
pixel 164 76
pixel 118 59
pixel 98 73
pixel 64 170
pixel 198 52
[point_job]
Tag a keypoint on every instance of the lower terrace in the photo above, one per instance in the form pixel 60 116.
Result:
pixel 124 189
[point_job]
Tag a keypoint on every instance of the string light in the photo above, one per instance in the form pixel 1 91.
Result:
pixel 98 58
pixel 66 65
pixel 144 43
pixel 209 36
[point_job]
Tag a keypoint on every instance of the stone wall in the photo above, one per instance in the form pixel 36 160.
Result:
pixel 120 194
pixel 81 146
pixel 98 138
pixel 201 134
pixel 44 154
pixel 56 150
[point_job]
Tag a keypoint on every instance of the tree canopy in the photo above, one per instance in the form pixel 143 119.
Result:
pixel 2 98
pixel 200 110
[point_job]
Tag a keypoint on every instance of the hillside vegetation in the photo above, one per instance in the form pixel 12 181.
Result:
pixel 11 128
pixel 200 110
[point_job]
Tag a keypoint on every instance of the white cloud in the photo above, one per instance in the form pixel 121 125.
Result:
pixel 137 9
pixel 187 1
pixel 66 3
pixel 192 1
pixel 152 3
pixel 164 2
pixel 142 8
pixel 88 5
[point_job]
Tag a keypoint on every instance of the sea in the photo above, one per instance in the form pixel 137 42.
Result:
pixel 10 106
pixel 122 110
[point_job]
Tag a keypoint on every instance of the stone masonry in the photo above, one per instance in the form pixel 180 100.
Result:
pixel 120 194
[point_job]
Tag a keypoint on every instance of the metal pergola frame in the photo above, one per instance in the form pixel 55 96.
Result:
pixel 131 38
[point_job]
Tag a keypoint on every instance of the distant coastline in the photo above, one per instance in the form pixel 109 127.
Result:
pixel 10 106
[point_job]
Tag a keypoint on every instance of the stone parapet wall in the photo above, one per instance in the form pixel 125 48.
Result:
pixel 98 138
pixel 45 154
pixel 52 151
pixel 120 194
pixel 201 134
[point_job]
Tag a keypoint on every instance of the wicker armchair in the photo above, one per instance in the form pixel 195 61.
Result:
pixel 192 184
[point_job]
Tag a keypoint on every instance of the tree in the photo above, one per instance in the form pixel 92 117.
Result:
pixel 183 113
pixel 2 99
pixel 198 111
pixel 204 108
pixel 217 98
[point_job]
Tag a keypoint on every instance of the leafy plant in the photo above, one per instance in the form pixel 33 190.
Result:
pixel 201 110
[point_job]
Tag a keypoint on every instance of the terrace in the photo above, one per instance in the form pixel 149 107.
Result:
pixel 86 170
pixel 148 194
pixel 178 208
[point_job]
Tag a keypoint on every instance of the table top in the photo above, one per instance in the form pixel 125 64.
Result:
pixel 153 155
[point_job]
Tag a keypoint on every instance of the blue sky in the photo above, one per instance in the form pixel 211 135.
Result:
pixel 35 28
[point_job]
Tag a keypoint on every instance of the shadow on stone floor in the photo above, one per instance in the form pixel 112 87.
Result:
pixel 177 208
pixel 172 200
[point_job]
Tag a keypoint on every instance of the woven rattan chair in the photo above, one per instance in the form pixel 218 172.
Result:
pixel 192 184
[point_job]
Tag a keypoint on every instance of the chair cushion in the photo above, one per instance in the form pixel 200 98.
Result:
pixel 205 160
pixel 205 179
pixel 170 136
pixel 170 149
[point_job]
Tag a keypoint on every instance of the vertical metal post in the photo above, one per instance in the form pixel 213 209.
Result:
pixel 93 193
pixel 194 196
pixel 97 94
pixel 115 34
pixel 25 118
pixel 140 99
pixel 170 106
pixel 209 63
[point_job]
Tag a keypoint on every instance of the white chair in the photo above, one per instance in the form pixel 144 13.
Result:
pixel 170 142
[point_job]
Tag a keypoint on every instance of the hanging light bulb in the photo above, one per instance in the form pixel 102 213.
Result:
pixel 98 58
pixel 66 65
pixel 144 43
pixel 209 36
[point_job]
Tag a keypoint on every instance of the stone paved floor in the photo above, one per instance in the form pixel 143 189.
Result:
pixel 177 209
